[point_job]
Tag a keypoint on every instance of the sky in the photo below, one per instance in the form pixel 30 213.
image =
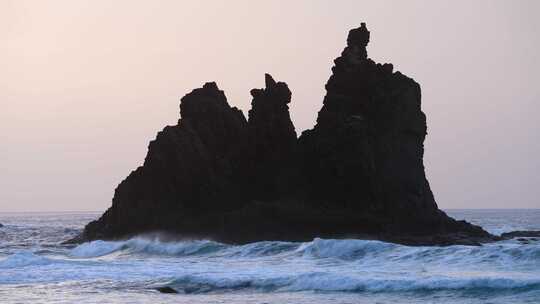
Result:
pixel 85 85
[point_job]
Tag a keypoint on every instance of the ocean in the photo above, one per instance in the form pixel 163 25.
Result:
pixel 36 268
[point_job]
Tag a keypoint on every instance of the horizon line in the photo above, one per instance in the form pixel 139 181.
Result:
pixel 99 211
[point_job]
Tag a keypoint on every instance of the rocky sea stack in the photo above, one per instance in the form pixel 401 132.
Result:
pixel 358 173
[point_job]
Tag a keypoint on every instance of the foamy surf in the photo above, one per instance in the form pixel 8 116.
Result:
pixel 202 271
pixel 24 259
pixel 354 251
pixel 141 245
pixel 321 281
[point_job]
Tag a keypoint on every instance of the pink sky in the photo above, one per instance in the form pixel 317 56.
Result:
pixel 85 85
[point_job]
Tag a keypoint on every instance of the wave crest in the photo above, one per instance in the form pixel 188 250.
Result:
pixel 327 282
pixel 345 249
pixel 23 259
pixel 145 246
pixel 366 251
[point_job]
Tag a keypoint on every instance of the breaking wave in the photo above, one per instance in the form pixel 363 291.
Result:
pixel 35 265
pixel 321 281
pixel 346 250
pixel 23 259
pixel 324 265
pixel 146 246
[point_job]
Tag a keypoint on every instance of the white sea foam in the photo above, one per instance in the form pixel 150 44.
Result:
pixel 345 249
pixel 22 259
pixel 322 281
pixel 348 250
pixel 325 265
pixel 32 257
pixel 148 246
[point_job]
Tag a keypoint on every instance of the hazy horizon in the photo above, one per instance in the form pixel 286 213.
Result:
pixel 86 85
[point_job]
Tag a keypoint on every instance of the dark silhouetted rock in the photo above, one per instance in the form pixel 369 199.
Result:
pixel 191 169
pixel 366 150
pixel 272 141
pixel 166 289
pixel 1 225
pixel 358 173
pixel 521 234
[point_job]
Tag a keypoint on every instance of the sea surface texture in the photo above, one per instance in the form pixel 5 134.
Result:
pixel 35 268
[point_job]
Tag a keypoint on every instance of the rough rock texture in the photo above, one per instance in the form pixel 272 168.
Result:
pixel 272 141
pixel 366 151
pixel 192 168
pixel 358 173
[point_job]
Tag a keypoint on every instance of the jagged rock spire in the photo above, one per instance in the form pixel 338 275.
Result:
pixel 272 139
pixel 269 81
pixel 372 118
pixel 358 36
pixel 357 42
pixel 276 93
pixel 359 171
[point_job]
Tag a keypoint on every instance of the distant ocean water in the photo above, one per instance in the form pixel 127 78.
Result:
pixel 35 268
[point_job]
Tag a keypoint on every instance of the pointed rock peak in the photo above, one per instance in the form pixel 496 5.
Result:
pixel 202 100
pixel 269 81
pixel 211 86
pixel 358 36
pixel 278 91
pixel 211 89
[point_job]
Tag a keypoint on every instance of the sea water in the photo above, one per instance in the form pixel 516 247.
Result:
pixel 36 268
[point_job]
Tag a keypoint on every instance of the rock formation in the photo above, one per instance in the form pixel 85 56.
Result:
pixel 366 151
pixel 166 289
pixel 521 233
pixel 358 173
pixel 272 141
